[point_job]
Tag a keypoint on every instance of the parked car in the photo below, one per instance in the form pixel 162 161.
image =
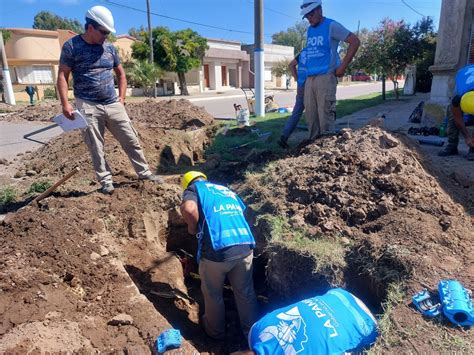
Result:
pixel 360 76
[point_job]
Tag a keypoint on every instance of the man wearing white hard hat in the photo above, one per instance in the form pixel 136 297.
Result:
pixel 323 67
pixel 91 60
pixel 461 104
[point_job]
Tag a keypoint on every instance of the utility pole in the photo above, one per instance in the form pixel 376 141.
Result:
pixel 7 81
pixel 150 39
pixel 259 60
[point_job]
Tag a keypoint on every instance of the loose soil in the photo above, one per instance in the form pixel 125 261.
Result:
pixel 84 272
pixel 360 211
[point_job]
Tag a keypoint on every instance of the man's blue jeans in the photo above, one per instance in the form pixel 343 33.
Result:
pixel 296 114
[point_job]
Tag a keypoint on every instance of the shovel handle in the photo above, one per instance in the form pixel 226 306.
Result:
pixel 56 185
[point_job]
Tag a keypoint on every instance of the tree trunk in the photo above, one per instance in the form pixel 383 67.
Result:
pixel 182 84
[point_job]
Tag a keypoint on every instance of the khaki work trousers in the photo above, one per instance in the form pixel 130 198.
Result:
pixel 452 130
pixel 115 119
pixel 240 275
pixel 320 104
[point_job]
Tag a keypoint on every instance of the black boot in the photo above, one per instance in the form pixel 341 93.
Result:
pixel 450 149
pixel 470 154
pixel 282 142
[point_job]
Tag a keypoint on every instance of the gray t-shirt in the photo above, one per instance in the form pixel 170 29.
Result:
pixel 91 66
pixel 338 33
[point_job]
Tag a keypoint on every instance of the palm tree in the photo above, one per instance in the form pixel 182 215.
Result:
pixel 144 75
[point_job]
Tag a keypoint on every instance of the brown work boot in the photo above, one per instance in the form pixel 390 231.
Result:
pixel 448 150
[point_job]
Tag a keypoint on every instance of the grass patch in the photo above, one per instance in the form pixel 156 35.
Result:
pixel 444 339
pixel 349 106
pixel 327 251
pixel 227 144
pixel 7 195
pixel 395 296
pixel 452 343
pixel 39 187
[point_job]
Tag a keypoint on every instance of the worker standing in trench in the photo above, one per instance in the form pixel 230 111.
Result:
pixel 91 59
pixel 225 249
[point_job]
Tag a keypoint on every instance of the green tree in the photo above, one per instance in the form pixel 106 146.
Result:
pixel 426 38
pixel 179 51
pixel 137 33
pixel 45 20
pixel 389 49
pixel 355 66
pixel 6 35
pixel 294 36
pixel 144 75
pixel 282 68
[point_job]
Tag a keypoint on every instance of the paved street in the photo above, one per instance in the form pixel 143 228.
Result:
pixel 222 107
pixel 219 105
pixel 12 142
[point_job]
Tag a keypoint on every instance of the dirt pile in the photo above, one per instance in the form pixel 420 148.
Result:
pixel 42 111
pixel 177 114
pixel 84 272
pixel 177 137
pixel 167 114
pixel 65 270
pixel 359 210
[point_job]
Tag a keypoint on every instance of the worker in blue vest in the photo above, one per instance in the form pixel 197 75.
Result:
pixel 298 69
pixel 323 67
pixel 334 323
pixel 462 103
pixel 225 249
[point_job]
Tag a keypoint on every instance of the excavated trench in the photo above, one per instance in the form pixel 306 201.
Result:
pixel 183 307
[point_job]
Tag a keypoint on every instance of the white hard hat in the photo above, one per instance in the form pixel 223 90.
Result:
pixel 102 16
pixel 308 6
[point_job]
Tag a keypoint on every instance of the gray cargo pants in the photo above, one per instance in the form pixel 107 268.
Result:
pixel 115 118
pixel 213 275
pixel 320 104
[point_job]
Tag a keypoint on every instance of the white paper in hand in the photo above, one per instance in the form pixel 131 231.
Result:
pixel 66 124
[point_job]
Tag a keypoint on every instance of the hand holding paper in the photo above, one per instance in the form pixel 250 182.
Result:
pixel 66 124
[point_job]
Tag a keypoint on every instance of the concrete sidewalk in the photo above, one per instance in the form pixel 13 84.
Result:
pixel 397 113
pixel 237 92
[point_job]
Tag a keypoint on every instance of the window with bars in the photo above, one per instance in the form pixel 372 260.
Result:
pixel 34 74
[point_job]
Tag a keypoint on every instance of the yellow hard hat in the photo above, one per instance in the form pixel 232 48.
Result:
pixel 189 177
pixel 467 103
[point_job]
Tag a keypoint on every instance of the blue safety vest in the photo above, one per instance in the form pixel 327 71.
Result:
pixel 302 67
pixel 328 324
pixel 465 80
pixel 223 215
pixel 318 49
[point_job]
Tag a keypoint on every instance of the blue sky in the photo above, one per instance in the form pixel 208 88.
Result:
pixel 234 15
